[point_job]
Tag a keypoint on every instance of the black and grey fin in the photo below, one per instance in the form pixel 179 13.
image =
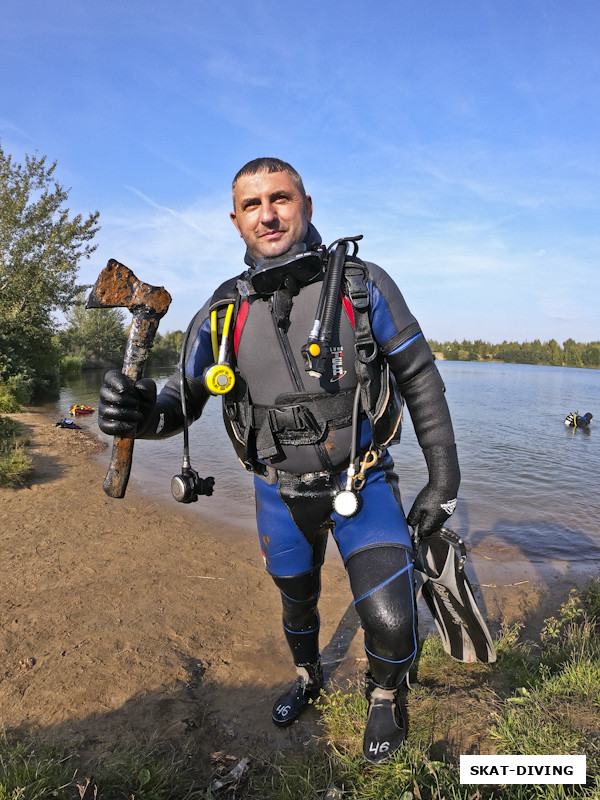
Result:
pixel 440 578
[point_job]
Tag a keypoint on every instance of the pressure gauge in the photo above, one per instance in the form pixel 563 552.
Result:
pixel 345 503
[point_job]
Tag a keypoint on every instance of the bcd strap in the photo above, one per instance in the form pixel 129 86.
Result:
pixel 379 394
pixel 303 422
pixel 356 289
pixel 368 370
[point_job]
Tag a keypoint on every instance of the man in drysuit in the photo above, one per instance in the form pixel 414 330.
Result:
pixel 295 418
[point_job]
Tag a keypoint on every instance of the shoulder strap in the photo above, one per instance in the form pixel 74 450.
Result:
pixel 358 294
pixel 235 291
pixel 379 395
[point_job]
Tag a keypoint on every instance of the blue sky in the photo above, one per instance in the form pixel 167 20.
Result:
pixel 461 138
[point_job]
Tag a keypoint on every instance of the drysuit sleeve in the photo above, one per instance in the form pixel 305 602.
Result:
pixel 401 341
pixel 166 416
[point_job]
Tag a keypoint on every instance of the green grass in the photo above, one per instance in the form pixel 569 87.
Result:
pixel 144 771
pixel 15 464
pixel 539 697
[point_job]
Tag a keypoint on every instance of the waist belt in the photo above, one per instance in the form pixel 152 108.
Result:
pixel 300 419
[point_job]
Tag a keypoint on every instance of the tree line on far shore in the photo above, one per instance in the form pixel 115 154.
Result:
pixel 551 353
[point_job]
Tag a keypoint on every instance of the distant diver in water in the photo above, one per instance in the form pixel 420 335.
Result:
pixel 573 420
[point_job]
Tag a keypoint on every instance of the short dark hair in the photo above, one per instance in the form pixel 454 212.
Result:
pixel 266 164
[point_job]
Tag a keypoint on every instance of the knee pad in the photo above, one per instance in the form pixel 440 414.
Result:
pixel 382 583
pixel 299 598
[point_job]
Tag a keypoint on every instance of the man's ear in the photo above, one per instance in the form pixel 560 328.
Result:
pixel 233 218
pixel 309 207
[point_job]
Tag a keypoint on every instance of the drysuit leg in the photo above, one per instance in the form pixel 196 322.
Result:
pixel 382 583
pixel 377 551
pixel 299 598
pixel 293 525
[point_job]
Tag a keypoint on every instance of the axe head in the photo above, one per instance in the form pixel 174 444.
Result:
pixel 117 287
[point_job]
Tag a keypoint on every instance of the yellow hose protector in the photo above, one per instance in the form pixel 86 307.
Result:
pixel 220 378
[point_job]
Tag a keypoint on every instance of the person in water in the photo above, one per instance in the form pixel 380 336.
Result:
pixel 312 418
pixel 573 420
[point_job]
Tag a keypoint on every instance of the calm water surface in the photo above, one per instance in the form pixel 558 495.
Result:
pixel 529 483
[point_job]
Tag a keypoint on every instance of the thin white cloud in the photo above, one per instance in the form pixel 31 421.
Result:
pixel 183 217
pixel 189 251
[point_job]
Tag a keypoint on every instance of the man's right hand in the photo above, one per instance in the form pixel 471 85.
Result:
pixel 125 406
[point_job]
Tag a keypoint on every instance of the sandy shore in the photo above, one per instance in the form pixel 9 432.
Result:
pixel 132 616
pixel 129 616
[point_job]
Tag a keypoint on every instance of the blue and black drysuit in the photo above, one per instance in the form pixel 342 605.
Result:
pixel 294 431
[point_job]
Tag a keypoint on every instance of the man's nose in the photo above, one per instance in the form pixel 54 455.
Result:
pixel 267 212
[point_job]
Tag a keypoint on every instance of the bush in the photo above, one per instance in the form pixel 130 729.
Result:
pixel 8 402
pixel 71 365
pixel 15 392
pixel 15 465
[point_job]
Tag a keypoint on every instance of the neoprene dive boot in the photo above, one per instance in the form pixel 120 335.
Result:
pixel 386 729
pixel 307 686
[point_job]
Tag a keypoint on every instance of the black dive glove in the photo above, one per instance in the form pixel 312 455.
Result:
pixel 125 406
pixel 437 501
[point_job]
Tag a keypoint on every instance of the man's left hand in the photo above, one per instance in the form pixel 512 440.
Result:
pixel 430 510
pixel 437 501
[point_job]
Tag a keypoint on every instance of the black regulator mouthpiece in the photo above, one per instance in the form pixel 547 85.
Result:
pixel 187 487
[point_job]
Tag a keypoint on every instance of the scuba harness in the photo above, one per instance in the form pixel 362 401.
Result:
pixel 258 432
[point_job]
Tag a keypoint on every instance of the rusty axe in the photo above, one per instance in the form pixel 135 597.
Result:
pixel 117 287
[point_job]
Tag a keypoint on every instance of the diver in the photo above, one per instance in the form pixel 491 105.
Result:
pixel 314 352
pixel 573 420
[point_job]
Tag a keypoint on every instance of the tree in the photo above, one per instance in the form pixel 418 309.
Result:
pixel 556 353
pixel 591 355
pixel 40 248
pixel 573 351
pixel 166 348
pixel 96 335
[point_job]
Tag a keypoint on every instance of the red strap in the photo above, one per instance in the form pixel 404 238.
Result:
pixel 348 308
pixel 240 321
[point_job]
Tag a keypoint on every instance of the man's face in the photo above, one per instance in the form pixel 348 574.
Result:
pixel 270 213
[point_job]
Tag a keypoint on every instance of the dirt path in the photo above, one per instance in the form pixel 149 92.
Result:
pixel 127 616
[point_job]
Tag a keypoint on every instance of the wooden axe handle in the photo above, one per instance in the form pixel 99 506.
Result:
pixel 117 475
pixel 141 335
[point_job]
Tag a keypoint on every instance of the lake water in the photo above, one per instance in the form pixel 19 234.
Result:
pixel 530 484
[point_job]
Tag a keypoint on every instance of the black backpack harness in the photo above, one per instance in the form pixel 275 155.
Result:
pixel 303 418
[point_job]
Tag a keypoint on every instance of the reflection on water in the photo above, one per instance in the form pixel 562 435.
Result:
pixel 155 462
pixel 529 483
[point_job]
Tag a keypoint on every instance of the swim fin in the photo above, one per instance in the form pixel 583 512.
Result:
pixel 445 588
